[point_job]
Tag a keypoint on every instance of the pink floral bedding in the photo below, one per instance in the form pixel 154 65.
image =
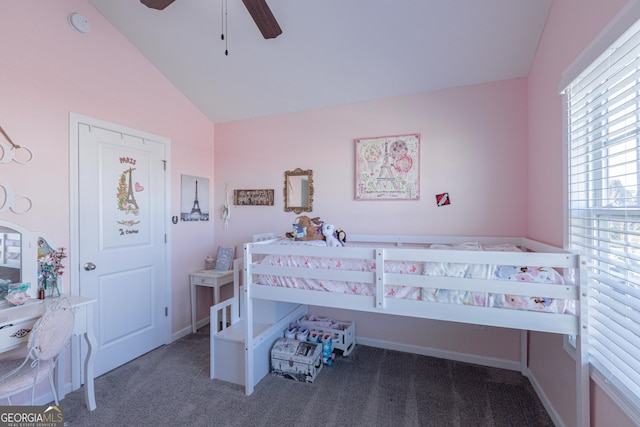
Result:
pixel 499 272
pixel 342 287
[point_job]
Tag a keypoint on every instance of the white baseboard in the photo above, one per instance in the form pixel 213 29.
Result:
pixel 186 331
pixel 181 333
pixel 202 322
pixel 555 417
pixel 442 354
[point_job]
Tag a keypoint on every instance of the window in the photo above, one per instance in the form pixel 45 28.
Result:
pixel 603 201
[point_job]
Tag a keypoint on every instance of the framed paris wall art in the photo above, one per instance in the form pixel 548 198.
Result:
pixel 388 168
pixel 194 204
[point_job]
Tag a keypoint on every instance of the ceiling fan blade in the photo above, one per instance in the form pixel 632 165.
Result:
pixel 264 19
pixel 156 4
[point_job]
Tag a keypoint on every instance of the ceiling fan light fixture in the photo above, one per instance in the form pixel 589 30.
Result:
pixel 258 9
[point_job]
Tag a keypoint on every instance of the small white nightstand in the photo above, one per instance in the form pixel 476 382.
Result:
pixel 211 279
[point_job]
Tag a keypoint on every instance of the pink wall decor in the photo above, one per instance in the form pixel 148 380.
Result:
pixel 195 198
pixel 443 199
pixel 258 197
pixel 388 168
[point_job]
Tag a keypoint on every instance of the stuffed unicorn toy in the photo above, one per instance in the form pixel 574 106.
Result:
pixel 329 233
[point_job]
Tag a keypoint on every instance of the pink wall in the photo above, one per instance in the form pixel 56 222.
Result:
pixel 48 71
pixel 571 27
pixel 473 145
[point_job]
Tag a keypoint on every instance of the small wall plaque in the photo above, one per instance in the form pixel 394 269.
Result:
pixel 443 199
pixel 263 197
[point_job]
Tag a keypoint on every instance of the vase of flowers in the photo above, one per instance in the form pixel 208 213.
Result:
pixel 50 270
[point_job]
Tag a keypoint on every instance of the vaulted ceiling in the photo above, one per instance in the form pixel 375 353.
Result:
pixel 330 52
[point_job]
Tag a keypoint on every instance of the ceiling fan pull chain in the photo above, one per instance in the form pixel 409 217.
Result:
pixel 222 20
pixel 225 27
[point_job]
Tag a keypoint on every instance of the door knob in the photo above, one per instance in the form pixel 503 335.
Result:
pixel 89 266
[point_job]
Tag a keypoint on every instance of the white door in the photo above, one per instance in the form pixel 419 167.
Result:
pixel 121 237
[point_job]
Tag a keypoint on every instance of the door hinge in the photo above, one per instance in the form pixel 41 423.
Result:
pixel 165 238
pixel 166 312
pixel 164 162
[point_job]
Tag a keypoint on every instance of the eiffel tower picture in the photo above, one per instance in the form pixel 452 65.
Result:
pixel 195 210
pixel 386 173
pixel 131 199
pixel 198 188
pixel 127 202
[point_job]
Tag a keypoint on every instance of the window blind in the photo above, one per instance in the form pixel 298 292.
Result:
pixel 603 135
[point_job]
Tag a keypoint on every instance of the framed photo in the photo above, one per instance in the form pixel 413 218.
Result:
pixel 388 168
pixel 224 258
pixel 253 197
pixel 194 203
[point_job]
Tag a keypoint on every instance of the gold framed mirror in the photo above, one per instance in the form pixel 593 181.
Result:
pixel 298 191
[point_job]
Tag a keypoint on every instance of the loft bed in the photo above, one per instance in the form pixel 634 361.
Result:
pixel 476 280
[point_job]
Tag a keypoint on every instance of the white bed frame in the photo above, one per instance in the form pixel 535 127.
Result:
pixel 405 248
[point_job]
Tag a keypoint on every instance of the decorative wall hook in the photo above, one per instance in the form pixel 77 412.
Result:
pixel 226 210
pixel 16 204
pixel 9 152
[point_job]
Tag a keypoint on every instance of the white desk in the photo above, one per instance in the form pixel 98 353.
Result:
pixel 16 322
pixel 210 279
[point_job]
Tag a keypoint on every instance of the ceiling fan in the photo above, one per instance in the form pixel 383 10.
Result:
pixel 258 9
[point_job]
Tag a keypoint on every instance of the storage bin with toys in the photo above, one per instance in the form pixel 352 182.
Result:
pixel 333 334
pixel 297 360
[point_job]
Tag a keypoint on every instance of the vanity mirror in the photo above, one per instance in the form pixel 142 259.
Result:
pixel 19 253
pixel 298 191
pixel 10 254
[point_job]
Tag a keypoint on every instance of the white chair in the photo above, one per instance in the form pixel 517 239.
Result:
pixel 46 340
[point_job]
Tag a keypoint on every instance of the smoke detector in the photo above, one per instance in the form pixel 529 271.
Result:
pixel 79 23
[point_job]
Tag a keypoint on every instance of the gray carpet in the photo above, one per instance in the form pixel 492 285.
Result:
pixel 170 386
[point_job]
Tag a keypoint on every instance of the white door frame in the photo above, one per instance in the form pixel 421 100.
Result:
pixel 74 239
